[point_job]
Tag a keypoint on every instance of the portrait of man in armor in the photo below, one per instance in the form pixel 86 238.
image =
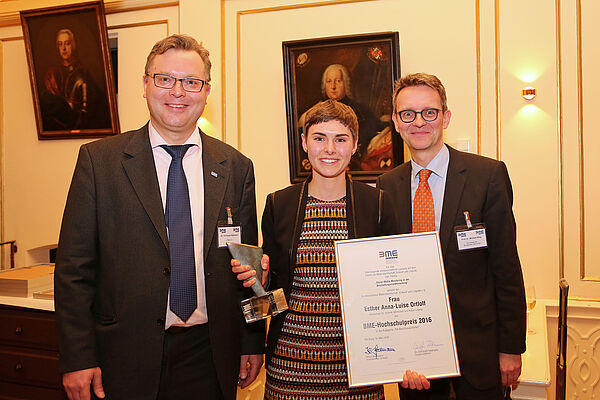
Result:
pixel 70 96
pixel 70 70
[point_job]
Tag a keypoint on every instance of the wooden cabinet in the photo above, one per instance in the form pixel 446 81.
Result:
pixel 28 355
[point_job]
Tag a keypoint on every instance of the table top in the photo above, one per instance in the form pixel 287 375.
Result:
pixel 28 302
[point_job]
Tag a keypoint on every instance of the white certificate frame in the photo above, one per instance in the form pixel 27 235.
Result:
pixel 395 309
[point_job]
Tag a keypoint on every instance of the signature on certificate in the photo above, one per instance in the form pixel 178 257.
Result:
pixel 426 347
pixel 376 350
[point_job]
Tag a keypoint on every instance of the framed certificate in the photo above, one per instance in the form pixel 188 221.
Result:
pixel 395 308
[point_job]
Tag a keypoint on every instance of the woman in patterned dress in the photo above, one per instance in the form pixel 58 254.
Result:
pixel 305 355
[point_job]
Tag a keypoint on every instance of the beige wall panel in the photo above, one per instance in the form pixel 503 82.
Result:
pixel 581 164
pixel 570 147
pixel 528 135
pixel 148 16
pixel 261 111
pixel 487 37
pixel 590 140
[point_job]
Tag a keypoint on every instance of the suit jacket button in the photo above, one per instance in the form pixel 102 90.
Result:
pixel 160 322
pixel 167 271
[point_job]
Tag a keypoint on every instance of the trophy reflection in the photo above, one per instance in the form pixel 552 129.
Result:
pixel 264 304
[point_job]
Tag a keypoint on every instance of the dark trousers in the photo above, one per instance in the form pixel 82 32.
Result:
pixel 451 388
pixel 188 370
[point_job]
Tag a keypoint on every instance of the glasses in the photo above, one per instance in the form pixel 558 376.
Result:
pixel 165 81
pixel 428 114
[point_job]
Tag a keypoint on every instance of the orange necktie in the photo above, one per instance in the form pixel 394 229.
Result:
pixel 423 214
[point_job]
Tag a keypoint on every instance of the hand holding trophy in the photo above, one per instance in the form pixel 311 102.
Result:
pixel 265 303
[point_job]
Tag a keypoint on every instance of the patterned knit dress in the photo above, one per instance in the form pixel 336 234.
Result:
pixel 309 359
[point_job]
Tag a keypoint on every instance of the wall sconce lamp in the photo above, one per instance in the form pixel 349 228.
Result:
pixel 528 93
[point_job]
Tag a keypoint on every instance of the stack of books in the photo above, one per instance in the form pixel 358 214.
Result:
pixel 23 282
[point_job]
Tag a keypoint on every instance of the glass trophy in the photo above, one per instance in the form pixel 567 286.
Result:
pixel 264 304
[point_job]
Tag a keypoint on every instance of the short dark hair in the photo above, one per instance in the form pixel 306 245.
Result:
pixel 420 79
pixel 331 110
pixel 178 42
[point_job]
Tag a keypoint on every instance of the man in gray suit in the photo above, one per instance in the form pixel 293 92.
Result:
pixel 470 197
pixel 118 280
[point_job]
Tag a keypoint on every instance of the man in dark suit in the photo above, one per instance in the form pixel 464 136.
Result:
pixel 131 324
pixel 468 196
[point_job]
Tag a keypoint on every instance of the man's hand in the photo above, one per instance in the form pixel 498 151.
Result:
pixel 510 368
pixel 414 380
pixel 246 273
pixel 249 368
pixel 77 383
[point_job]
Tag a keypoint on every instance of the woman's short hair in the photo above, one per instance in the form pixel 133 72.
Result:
pixel 331 110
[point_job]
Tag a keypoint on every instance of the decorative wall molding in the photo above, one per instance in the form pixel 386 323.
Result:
pixel 11 16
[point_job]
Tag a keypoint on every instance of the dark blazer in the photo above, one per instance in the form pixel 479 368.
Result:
pixel 369 212
pixel 485 286
pixel 112 266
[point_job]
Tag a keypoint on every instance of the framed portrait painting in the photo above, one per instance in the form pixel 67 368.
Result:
pixel 70 71
pixel 357 70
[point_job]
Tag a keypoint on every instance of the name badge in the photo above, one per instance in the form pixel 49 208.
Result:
pixel 229 233
pixel 471 238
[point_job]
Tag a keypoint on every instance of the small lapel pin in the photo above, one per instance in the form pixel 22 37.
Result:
pixel 213 173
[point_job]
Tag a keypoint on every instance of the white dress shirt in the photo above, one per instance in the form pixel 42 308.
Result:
pixel 437 181
pixel 192 166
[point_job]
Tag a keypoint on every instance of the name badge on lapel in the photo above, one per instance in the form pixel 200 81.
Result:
pixel 470 236
pixel 229 232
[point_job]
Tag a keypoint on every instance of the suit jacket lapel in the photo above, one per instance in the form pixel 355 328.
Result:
pixel 455 183
pixel 216 176
pixel 141 170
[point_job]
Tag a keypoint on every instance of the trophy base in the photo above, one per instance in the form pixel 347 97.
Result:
pixel 270 304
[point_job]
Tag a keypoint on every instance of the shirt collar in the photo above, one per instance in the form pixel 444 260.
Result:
pixel 439 164
pixel 156 140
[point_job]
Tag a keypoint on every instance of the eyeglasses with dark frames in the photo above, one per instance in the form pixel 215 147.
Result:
pixel 428 114
pixel 165 81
